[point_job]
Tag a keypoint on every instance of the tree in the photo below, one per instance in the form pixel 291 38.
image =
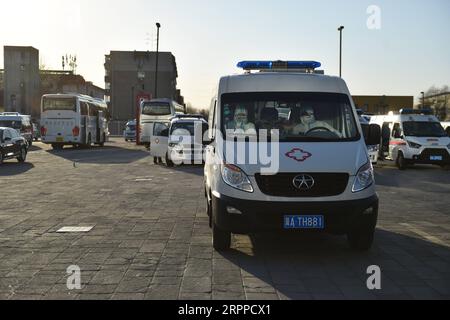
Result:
pixel 71 62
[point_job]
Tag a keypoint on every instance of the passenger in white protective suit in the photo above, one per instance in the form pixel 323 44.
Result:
pixel 240 124
pixel 308 122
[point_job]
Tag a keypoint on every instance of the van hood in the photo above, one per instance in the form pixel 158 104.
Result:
pixel 336 157
pixel 430 141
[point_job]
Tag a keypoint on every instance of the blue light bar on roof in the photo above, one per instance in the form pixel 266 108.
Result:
pixel 270 65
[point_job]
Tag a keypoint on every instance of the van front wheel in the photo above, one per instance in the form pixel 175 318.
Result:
pixel 221 239
pixel 401 161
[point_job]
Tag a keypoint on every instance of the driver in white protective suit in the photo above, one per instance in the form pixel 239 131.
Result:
pixel 308 123
pixel 240 124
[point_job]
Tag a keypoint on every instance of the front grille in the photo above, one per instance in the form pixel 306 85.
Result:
pixel 282 185
pixel 427 153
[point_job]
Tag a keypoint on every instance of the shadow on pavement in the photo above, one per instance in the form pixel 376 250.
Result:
pixel 196 170
pixel 34 147
pixel 9 168
pixel 100 155
pixel 309 266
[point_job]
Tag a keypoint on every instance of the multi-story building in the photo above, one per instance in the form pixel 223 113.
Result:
pixel 61 81
pixel 131 74
pixel 21 80
pixel 22 84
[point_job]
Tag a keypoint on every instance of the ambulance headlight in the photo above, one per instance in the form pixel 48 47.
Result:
pixel 236 178
pixel 364 178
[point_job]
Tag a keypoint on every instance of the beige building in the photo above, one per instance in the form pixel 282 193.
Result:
pixel 383 104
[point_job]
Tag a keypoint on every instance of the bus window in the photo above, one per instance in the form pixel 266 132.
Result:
pixel 156 109
pixel 59 104
pixel 83 108
pixel 93 110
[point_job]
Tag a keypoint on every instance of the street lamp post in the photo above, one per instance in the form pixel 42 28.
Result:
pixel 340 50
pixel 158 25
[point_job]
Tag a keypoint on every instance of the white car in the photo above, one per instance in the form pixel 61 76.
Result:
pixel 312 171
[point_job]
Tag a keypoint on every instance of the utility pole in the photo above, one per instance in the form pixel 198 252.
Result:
pixel 340 29
pixel 158 25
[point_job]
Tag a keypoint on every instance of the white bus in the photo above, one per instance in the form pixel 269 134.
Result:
pixel 73 119
pixel 157 111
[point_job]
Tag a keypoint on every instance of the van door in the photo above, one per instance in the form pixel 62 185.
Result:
pixel 159 141
pixel 396 142
pixel 385 139
pixel 210 148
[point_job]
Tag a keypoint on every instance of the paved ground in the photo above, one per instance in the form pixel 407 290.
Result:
pixel 151 238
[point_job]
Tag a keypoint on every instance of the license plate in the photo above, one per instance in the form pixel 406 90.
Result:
pixel 59 139
pixel 436 158
pixel 304 222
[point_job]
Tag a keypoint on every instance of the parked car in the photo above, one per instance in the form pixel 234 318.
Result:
pixel 12 145
pixel 130 131
pixel 21 123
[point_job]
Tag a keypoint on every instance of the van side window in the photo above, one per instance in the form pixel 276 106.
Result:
pixel 160 130
pixel 397 131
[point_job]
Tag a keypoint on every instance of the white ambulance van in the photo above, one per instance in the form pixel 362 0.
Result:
pixel 413 136
pixel 285 153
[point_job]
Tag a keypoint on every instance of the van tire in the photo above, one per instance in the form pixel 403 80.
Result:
pixel 30 143
pixel 1 158
pixel 221 239
pixel 23 155
pixel 401 162
pixel 169 162
pixel 361 239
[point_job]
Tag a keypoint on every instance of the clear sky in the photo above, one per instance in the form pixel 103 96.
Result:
pixel 408 54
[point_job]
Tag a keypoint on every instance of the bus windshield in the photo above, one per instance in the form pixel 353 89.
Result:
pixel 321 117
pixel 59 104
pixel 15 124
pixel 156 109
pixel 423 129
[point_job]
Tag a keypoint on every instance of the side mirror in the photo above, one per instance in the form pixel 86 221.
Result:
pixel 374 135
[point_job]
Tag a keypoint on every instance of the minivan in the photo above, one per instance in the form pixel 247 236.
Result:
pixel 286 152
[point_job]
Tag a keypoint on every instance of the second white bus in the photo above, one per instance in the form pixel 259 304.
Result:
pixel 156 111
